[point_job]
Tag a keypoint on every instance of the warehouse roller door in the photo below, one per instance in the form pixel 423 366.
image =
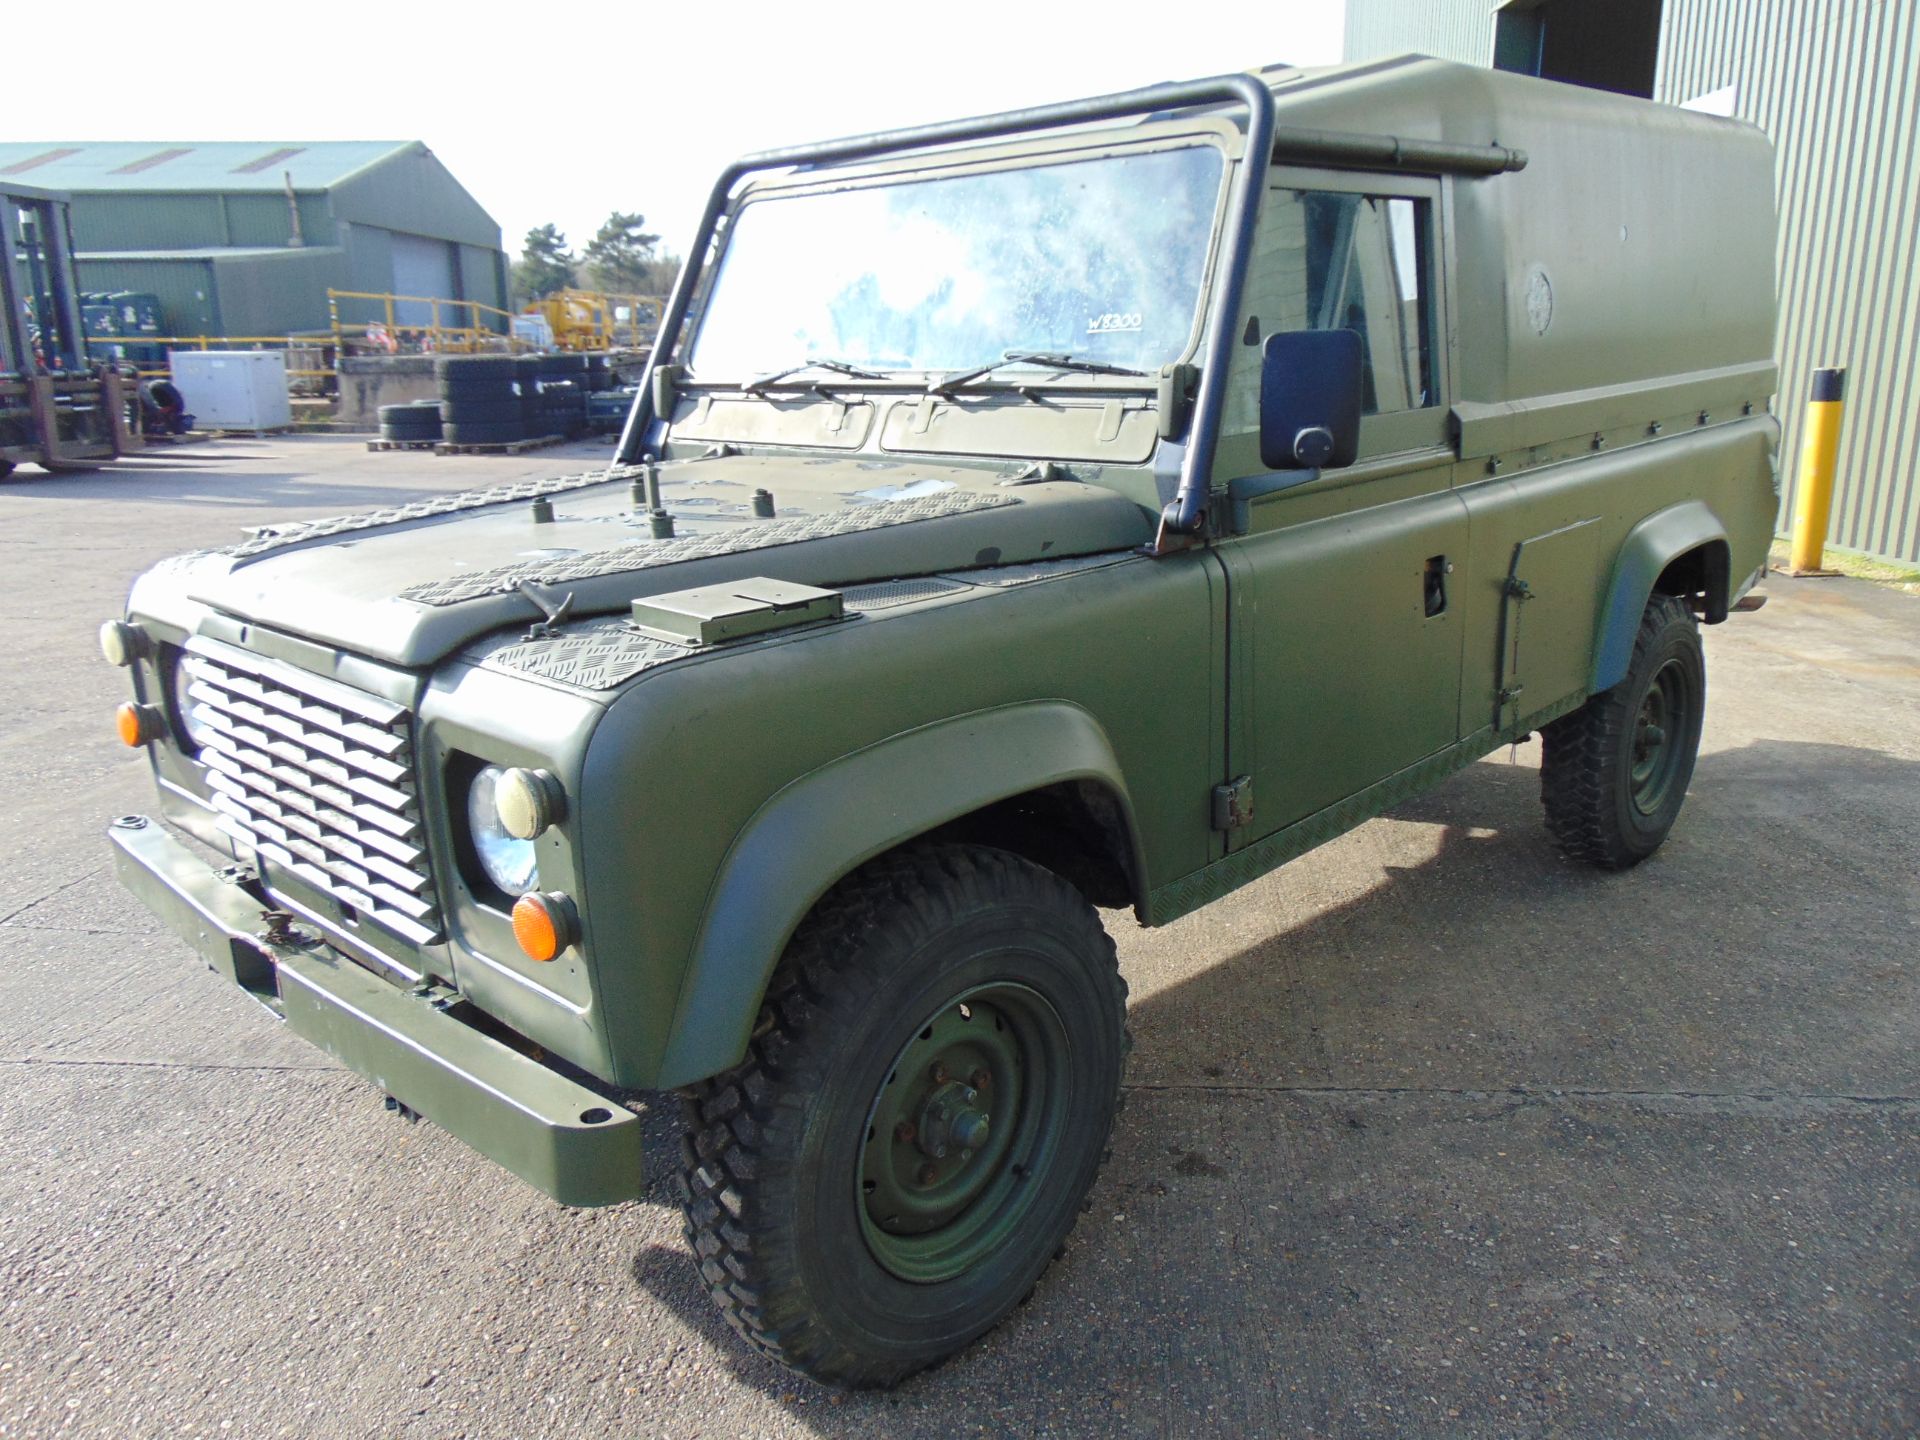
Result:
pixel 423 267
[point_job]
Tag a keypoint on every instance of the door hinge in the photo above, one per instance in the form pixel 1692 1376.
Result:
pixel 1233 804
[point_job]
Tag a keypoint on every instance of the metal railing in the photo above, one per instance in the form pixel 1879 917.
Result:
pixel 100 347
pixel 385 329
pixel 451 327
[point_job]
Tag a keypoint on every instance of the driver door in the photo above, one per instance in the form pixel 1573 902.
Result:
pixel 1344 645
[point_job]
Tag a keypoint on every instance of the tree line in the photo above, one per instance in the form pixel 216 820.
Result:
pixel 622 258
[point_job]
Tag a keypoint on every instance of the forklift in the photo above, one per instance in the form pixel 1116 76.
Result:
pixel 57 409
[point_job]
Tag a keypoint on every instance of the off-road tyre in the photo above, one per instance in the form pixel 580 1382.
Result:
pixel 1612 796
pixel 473 367
pixel 482 412
pixel 483 432
pixel 778 1152
pixel 493 390
pixel 418 420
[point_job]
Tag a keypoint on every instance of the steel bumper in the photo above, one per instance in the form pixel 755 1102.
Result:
pixel 570 1141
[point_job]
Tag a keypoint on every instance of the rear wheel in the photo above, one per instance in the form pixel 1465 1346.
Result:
pixel 924 1106
pixel 1614 773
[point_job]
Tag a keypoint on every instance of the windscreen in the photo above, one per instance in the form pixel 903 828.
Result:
pixel 1100 259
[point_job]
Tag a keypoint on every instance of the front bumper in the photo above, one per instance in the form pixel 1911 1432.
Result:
pixel 554 1133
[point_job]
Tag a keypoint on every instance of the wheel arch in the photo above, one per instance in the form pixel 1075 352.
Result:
pixel 1019 776
pixel 1681 550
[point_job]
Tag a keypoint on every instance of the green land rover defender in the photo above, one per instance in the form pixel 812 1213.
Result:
pixel 1091 506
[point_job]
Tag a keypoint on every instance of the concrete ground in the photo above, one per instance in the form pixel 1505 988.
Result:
pixel 1428 1133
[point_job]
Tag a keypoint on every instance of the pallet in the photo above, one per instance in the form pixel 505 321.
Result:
pixel 505 447
pixel 402 444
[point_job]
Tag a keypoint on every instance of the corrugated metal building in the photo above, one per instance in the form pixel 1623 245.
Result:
pixel 245 238
pixel 1836 84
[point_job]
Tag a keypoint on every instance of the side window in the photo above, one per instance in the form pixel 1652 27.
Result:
pixel 1364 273
pixel 1338 260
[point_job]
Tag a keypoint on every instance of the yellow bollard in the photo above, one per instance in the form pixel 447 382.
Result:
pixel 1814 502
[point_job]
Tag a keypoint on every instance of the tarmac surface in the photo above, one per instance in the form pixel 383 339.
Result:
pixel 1428 1133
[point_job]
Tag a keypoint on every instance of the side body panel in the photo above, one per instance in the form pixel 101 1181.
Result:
pixel 1342 674
pixel 1109 673
pixel 1563 529
pixel 845 813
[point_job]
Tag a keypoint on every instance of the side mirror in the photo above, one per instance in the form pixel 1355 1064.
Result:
pixel 1311 382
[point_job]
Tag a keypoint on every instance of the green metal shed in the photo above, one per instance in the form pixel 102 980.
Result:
pixel 245 238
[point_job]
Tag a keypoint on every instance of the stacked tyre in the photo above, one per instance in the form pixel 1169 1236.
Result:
pixel 526 371
pixel 415 423
pixel 480 399
pixel 563 394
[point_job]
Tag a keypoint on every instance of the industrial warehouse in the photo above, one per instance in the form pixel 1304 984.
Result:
pixel 240 239
pixel 1203 726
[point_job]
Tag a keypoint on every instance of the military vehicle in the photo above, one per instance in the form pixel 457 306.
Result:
pixel 1091 506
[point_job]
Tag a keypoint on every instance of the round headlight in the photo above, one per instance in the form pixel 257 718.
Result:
pixel 508 862
pixel 198 732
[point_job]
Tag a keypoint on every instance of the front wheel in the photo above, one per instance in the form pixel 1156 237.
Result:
pixel 926 1100
pixel 1614 773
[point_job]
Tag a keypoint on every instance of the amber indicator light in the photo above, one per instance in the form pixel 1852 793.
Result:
pixel 132 721
pixel 540 924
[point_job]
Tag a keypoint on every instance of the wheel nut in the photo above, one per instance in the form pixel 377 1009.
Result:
pixel 929 1172
pixel 904 1132
pixel 981 1079
pixel 939 1072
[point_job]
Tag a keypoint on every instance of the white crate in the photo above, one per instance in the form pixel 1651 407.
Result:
pixel 233 389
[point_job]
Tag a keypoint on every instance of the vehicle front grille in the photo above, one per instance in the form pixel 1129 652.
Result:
pixel 318 778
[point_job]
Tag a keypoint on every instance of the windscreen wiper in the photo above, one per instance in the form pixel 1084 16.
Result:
pixel 839 367
pixel 1057 359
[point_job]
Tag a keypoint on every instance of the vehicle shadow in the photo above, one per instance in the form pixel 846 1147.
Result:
pixel 1491 1088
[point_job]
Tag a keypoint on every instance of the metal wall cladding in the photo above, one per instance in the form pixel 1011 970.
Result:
pixel 1836 86
pixel 189 302
pixel 479 280
pixel 277 292
pixel 267 220
pixel 1445 29
pixel 116 221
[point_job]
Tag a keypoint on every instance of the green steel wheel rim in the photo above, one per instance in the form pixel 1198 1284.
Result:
pixel 963 1132
pixel 1659 751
